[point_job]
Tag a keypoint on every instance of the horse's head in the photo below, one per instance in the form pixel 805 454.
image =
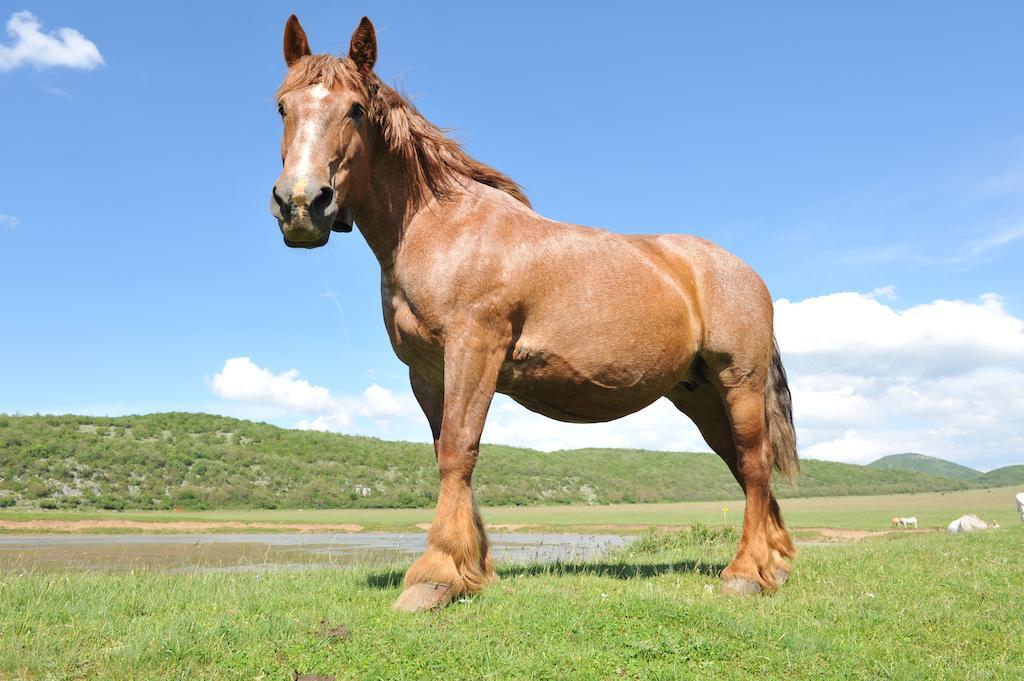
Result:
pixel 327 141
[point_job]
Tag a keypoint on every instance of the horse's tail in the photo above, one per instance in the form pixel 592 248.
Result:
pixel 778 407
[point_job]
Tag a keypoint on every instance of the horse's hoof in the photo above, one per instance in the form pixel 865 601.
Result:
pixel 781 576
pixel 424 596
pixel 740 586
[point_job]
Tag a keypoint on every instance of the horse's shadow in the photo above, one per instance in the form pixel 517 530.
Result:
pixel 391 578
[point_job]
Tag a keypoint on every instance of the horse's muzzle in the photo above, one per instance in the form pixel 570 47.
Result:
pixel 301 230
pixel 304 223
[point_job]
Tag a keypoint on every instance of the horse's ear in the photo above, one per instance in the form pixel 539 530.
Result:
pixel 363 48
pixel 295 44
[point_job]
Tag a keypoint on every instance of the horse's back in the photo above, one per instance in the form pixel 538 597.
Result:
pixel 645 298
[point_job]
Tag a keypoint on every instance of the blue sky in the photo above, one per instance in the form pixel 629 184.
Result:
pixel 867 159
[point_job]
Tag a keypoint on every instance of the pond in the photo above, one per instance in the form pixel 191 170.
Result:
pixel 262 552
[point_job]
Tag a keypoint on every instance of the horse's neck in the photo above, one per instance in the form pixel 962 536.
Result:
pixel 387 213
pixel 383 214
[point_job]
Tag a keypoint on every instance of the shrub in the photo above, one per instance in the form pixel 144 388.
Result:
pixel 655 541
pixel 110 503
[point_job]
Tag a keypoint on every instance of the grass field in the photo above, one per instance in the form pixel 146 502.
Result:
pixel 906 606
pixel 933 509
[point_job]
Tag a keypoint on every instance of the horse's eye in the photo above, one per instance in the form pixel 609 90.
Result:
pixel 280 109
pixel 356 113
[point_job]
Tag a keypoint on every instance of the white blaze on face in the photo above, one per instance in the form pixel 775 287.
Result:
pixel 305 138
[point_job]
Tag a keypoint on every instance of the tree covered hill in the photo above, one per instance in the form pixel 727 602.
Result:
pixel 197 461
pixel 922 463
pixel 1003 477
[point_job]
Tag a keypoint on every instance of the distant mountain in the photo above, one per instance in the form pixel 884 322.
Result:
pixel 1003 477
pixel 920 463
pixel 196 461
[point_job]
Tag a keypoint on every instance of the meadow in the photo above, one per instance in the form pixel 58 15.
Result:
pixel 904 606
pixel 871 512
pixel 863 602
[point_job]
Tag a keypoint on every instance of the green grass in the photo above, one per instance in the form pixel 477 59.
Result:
pixel 199 461
pixel 909 606
pixel 933 509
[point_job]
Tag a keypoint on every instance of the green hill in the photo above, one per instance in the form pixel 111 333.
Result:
pixel 1003 477
pixel 197 461
pixel 921 463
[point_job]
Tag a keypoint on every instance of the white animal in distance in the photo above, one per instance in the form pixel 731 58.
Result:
pixel 968 523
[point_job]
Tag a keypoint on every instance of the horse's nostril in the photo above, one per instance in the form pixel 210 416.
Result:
pixel 323 199
pixel 282 204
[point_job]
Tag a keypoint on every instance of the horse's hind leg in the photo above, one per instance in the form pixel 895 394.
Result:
pixel 761 560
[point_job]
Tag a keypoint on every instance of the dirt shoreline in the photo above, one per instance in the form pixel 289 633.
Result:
pixel 827 534
pixel 178 526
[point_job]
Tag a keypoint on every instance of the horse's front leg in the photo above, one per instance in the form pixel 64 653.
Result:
pixel 456 561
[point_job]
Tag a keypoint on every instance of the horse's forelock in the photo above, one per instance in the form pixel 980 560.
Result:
pixel 322 69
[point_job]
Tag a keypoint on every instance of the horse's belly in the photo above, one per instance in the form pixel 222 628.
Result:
pixel 577 406
pixel 588 390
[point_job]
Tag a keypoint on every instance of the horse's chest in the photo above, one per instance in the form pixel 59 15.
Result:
pixel 411 336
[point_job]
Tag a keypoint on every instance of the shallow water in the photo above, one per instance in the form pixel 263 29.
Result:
pixel 261 552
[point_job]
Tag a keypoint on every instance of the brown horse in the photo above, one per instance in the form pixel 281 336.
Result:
pixel 483 295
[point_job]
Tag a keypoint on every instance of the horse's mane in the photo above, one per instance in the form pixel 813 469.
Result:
pixel 430 158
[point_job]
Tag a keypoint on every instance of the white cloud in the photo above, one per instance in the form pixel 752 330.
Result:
pixel 55 91
pixel 381 403
pixel 853 446
pixel 962 254
pixel 857 332
pixel 336 422
pixel 1009 182
pixel 944 378
pixel 659 426
pixel 9 220
pixel 988 243
pixel 30 46
pixel 831 398
pixel 242 380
